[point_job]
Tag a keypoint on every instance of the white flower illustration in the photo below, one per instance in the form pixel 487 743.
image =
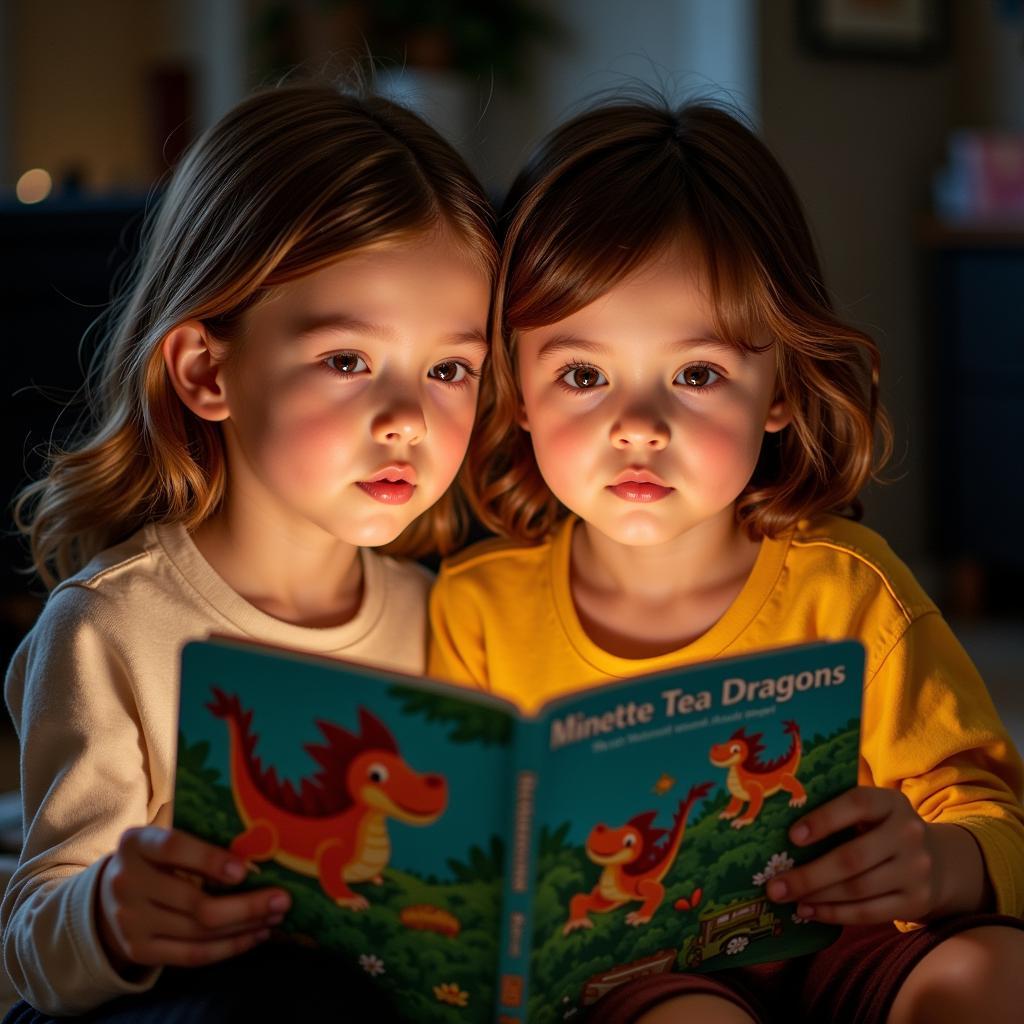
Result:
pixel 797 919
pixel 736 944
pixel 373 965
pixel 777 864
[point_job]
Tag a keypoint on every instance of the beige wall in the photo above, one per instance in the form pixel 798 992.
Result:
pixel 860 140
pixel 78 75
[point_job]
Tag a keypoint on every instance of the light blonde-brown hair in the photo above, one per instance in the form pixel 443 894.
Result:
pixel 609 190
pixel 287 182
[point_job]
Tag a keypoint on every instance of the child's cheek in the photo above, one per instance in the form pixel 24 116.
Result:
pixel 722 454
pixel 315 453
pixel 448 432
pixel 568 452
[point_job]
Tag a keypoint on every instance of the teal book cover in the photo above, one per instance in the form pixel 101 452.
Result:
pixel 484 866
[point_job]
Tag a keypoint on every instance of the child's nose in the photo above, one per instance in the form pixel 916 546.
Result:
pixel 399 424
pixel 639 432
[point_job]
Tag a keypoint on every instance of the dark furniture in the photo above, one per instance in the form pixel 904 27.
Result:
pixel 975 362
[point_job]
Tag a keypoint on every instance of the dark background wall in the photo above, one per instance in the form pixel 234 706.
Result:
pixel 105 94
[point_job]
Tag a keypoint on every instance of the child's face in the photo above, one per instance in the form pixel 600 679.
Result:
pixel 642 423
pixel 352 391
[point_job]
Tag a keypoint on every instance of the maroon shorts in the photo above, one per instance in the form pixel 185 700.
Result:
pixel 853 981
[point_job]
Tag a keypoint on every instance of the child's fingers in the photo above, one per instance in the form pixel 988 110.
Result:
pixel 143 929
pixel 171 848
pixel 157 923
pixel 146 905
pixel 136 885
pixel 888 907
pixel 173 952
pixel 845 862
pixel 214 912
pixel 858 806
pixel 887 877
pixel 170 924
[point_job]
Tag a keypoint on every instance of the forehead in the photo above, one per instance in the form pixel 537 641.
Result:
pixel 683 291
pixel 667 295
pixel 425 276
pixel 398 299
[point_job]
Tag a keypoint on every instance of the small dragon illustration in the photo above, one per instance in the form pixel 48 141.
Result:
pixel 634 858
pixel 335 827
pixel 750 779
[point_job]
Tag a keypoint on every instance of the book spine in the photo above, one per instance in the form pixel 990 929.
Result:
pixel 520 873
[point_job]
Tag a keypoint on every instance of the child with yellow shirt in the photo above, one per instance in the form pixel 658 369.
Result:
pixel 674 429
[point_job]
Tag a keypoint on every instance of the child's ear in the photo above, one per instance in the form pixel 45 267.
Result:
pixel 196 374
pixel 521 418
pixel 779 417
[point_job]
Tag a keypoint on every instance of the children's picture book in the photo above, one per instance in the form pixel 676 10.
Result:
pixel 481 865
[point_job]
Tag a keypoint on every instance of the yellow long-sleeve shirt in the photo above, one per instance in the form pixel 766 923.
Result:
pixel 503 619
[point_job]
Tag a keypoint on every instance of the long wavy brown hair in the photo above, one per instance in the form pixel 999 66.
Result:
pixel 287 182
pixel 608 191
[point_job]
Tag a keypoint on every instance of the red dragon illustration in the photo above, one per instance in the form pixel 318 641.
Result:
pixel 634 858
pixel 334 828
pixel 750 779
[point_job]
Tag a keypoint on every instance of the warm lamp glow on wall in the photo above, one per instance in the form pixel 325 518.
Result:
pixel 33 186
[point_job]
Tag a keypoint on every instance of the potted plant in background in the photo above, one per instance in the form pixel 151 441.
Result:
pixel 442 58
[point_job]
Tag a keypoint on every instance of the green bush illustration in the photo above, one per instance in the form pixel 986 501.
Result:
pixel 714 857
pixel 412 961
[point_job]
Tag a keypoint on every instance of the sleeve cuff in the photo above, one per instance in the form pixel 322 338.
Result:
pixel 87 944
pixel 1000 852
pixel 1003 854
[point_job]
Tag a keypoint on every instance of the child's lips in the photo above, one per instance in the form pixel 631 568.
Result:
pixel 635 490
pixel 640 485
pixel 388 492
pixel 392 485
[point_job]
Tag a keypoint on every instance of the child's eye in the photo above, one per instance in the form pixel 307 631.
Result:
pixel 347 364
pixel 451 371
pixel 697 376
pixel 581 377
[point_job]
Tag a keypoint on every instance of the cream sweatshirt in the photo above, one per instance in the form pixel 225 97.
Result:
pixel 93 692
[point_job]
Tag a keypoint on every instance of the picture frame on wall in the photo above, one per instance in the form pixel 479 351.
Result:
pixel 897 30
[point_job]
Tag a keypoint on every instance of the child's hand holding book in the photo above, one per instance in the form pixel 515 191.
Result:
pixel 150 912
pixel 899 867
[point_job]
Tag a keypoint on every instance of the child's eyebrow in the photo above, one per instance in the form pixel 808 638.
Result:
pixel 474 336
pixel 560 342
pixel 336 322
pixel 346 322
pixel 704 341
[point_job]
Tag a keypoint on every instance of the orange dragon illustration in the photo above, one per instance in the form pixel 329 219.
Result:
pixel 634 858
pixel 335 827
pixel 751 779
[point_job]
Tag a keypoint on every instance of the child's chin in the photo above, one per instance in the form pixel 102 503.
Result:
pixel 377 531
pixel 640 528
